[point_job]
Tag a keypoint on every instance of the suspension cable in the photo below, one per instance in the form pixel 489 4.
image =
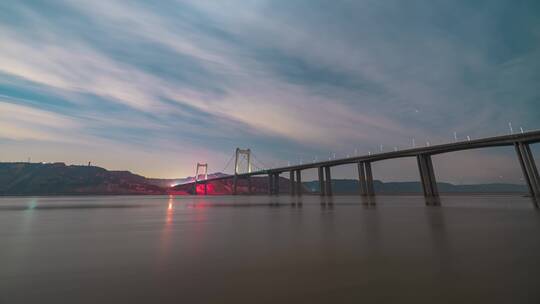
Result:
pixel 228 163
pixel 260 162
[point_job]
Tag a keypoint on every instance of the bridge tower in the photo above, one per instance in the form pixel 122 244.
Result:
pixel 202 169
pixel 239 152
pixel 247 153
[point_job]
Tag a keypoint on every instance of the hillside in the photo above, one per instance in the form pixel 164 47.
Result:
pixel 57 178
pixel 351 186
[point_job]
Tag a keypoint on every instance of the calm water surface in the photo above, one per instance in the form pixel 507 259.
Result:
pixel 481 249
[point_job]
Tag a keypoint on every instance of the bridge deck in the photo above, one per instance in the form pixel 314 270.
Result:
pixel 497 141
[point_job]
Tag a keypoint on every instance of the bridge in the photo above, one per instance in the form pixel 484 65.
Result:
pixel 521 142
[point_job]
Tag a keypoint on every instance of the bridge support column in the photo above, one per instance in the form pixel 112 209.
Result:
pixel 270 183
pixel 249 184
pixel 528 166
pixel 328 182
pixel 322 185
pixel 292 185
pixel 365 179
pixel 427 175
pixel 235 184
pixel 276 183
pixel 362 179
pixel 298 182
pixel 369 179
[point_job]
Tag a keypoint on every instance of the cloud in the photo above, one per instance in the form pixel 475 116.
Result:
pixel 20 122
pixel 307 76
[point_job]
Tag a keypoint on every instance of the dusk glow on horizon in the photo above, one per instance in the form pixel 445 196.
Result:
pixel 155 88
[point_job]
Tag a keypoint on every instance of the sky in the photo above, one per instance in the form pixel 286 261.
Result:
pixel 156 86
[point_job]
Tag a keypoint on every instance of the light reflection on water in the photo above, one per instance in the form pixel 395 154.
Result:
pixel 268 249
pixel 165 237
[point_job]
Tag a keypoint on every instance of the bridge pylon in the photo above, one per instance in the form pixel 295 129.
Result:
pixel 204 167
pixel 238 153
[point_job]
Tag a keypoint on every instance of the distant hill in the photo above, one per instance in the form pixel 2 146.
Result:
pixel 61 179
pixel 351 186
pixel 57 178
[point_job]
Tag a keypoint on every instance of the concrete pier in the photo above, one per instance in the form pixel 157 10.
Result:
pixel 322 185
pixel 235 184
pixel 328 181
pixel 292 185
pixel 270 183
pixel 427 175
pixel 365 179
pixel 276 183
pixel 528 166
pixel 369 179
pixel 298 182
pixel 362 179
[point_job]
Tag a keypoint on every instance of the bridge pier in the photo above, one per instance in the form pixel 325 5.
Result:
pixel 528 166
pixel 328 181
pixel 276 183
pixel 362 179
pixel 195 183
pixel 321 181
pixel 292 185
pixel 273 183
pixel 427 175
pixel 365 179
pixel 249 184
pixel 270 183
pixel 298 182
pixel 235 184
pixel 369 179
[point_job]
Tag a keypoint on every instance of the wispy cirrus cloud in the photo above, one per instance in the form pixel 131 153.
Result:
pixel 19 122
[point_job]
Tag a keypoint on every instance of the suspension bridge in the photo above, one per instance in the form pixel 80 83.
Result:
pixel 253 167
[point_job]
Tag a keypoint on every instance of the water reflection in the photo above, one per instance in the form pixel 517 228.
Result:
pixel 436 225
pixel 170 211
pixel 208 250
pixel 370 222
pixel 368 201
pixel 326 202
pixel 198 219
pixel 32 204
pixel 535 202
pixel 328 232
pixel 296 201
pixel 274 201
pixel 15 249
pixel 433 201
pixel 163 253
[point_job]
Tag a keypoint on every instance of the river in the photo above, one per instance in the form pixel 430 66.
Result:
pixel 260 249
